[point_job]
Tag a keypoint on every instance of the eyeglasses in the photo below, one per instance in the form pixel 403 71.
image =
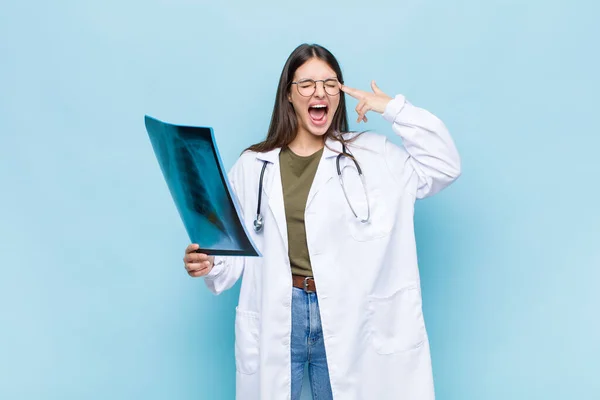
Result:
pixel 307 87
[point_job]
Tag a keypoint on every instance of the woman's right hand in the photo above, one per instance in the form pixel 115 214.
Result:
pixel 197 264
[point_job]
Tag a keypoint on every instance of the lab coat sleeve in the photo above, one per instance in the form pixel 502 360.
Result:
pixel 428 161
pixel 224 274
pixel 227 269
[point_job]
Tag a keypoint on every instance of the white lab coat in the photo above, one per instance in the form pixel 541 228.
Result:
pixel 366 275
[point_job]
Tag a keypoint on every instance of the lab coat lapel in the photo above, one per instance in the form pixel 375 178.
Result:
pixel 273 190
pixel 326 169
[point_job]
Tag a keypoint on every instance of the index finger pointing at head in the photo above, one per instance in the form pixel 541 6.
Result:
pixel 351 91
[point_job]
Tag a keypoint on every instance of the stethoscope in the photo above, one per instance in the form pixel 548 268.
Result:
pixel 259 222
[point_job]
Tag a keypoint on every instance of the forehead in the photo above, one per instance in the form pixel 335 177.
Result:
pixel 314 69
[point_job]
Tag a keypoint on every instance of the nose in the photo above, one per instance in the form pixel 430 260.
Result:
pixel 320 90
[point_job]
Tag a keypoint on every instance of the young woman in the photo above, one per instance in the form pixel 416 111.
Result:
pixel 338 284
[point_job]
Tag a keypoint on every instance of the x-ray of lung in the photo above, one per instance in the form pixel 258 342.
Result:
pixel 191 165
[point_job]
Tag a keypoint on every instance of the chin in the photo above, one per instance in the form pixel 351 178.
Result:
pixel 319 131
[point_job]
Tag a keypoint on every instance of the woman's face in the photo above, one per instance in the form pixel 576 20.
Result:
pixel 315 111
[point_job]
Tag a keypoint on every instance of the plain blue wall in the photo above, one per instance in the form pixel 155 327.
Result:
pixel 94 300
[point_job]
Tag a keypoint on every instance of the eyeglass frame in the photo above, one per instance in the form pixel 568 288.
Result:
pixel 315 85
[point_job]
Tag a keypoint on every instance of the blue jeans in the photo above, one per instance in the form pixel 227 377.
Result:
pixel 308 347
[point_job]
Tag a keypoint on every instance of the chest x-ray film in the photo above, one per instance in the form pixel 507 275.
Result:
pixel 191 165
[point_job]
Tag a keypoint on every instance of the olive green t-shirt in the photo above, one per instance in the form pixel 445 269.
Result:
pixel 297 174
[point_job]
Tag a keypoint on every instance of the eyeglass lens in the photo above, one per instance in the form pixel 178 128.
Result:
pixel 308 87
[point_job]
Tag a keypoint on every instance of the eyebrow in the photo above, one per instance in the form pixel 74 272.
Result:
pixel 311 79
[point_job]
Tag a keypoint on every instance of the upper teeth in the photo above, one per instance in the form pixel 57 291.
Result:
pixel 319 106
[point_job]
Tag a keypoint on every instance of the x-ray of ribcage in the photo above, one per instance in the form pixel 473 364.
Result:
pixel 191 167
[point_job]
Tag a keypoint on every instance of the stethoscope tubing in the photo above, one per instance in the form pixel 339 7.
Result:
pixel 258 221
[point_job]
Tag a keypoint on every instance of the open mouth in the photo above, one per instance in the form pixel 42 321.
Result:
pixel 318 113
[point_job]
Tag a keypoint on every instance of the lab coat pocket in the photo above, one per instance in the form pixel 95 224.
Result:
pixel 395 322
pixel 247 343
pixel 380 220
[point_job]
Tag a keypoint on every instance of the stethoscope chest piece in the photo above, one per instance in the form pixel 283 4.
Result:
pixel 258 223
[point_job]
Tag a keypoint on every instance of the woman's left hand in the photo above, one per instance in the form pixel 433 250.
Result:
pixel 376 101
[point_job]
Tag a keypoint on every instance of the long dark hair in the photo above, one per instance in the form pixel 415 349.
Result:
pixel 284 125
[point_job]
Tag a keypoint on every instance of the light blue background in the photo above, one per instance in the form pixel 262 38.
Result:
pixel 95 303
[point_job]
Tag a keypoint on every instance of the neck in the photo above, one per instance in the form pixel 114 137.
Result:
pixel 305 143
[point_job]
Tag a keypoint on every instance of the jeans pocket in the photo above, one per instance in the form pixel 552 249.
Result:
pixel 247 343
pixel 395 322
